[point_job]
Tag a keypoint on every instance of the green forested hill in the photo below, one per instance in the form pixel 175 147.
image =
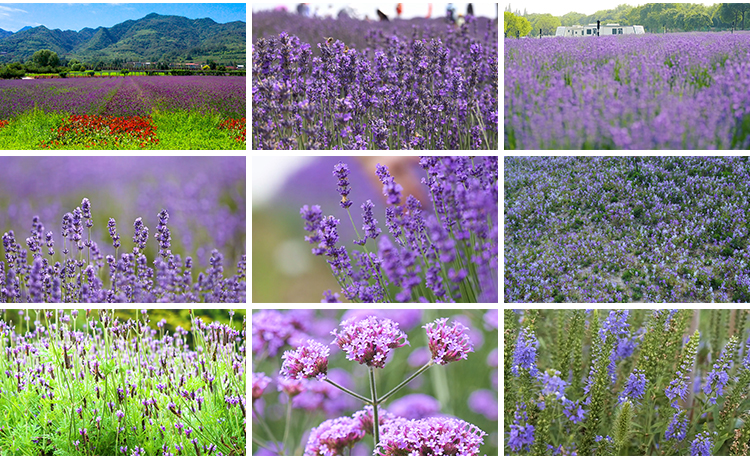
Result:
pixel 154 38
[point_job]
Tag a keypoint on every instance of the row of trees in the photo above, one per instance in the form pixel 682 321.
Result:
pixel 46 61
pixel 655 17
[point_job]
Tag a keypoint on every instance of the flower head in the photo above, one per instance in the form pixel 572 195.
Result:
pixel 448 344
pixel 429 437
pixel 552 383
pixel 635 386
pixel 677 427
pixel 391 189
pixel 702 444
pixel 368 341
pixel 260 382
pixel 332 436
pixel 309 361
pixel 524 355
pixel 341 171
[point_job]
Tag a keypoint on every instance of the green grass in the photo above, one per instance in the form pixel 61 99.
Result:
pixel 179 130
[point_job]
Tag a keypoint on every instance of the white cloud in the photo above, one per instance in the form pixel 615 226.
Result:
pixel 12 10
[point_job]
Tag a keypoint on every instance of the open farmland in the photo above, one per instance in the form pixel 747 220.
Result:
pixel 673 91
pixel 133 112
pixel 612 229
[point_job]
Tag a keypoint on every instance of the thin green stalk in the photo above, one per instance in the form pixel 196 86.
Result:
pixel 353 394
pixel 288 421
pixel 407 381
pixel 375 420
pixel 268 431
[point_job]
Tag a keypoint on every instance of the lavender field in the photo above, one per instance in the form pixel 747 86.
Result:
pixel 406 84
pixel 619 229
pixel 143 112
pixel 122 382
pixel 125 229
pixel 673 91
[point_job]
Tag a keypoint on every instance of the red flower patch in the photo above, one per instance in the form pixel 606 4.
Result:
pixel 4 123
pixel 236 126
pixel 90 131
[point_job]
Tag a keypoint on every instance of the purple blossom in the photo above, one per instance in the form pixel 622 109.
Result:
pixel 484 402
pixel 341 171
pixel 260 382
pixel 678 387
pixel 573 410
pixel 552 384
pixel 415 406
pixel 429 437
pixel 635 387
pixel 310 361
pixel 332 436
pixel 521 434
pixel 391 189
pixel 677 428
pixel 370 340
pixel 702 445
pixel 448 344
pixel 524 355
pixel 111 225
pixel 370 226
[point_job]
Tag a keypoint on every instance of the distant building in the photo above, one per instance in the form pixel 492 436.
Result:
pixel 591 31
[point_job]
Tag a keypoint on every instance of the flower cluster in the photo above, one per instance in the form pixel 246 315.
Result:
pixel 89 131
pixel 524 355
pixel 448 344
pixel 418 86
pixel 237 127
pixel 310 361
pixel 658 91
pixel 75 279
pixel 369 341
pixel 445 257
pixel 429 437
pixel 626 229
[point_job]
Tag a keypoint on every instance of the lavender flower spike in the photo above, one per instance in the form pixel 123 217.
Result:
pixel 391 189
pixel 341 171
pixel 702 444
pixel 369 341
pixel 448 344
pixel 310 361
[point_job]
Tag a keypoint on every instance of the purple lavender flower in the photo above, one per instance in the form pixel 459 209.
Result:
pixel 677 388
pixel 615 324
pixel 370 340
pixel 677 428
pixel 111 225
pixel 332 436
pixel 370 226
pixel 635 386
pixel 448 344
pixel 341 171
pixel 702 445
pixel 429 437
pixel 163 235
pixel 391 189
pixel 329 297
pixel 260 382
pixel 415 406
pixel 140 236
pixel 86 212
pixel 310 361
pixel 524 355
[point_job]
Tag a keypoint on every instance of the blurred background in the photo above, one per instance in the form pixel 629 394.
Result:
pixel 353 23
pixel 284 268
pixel 21 318
pixel 205 198
pixel 466 389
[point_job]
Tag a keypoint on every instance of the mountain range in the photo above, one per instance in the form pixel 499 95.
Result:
pixel 153 38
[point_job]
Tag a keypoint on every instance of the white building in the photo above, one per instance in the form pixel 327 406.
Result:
pixel 590 30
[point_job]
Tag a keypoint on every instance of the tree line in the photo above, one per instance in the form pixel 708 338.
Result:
pixel 655 17
pixel 45 61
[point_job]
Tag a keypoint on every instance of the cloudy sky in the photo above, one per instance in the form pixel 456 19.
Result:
pixel 558 8
pixel 72 16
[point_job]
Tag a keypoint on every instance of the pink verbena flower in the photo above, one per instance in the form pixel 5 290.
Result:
pixel 429 437
pixel 332 436
pixel 368 341
pixel 309 361
pixel 260 382
pixel 448 344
